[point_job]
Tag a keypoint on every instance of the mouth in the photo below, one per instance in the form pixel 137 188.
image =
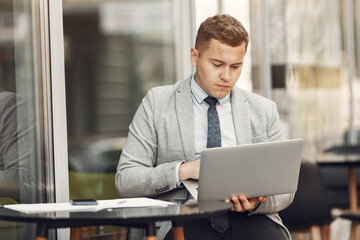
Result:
pixel 222 86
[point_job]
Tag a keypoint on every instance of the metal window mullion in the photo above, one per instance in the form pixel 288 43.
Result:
pixel 350 54
pixel 220 7
pixel 42 103
pixel 44 166
pixel 57 86
pixel 185 31
pixel 46 99
pixel 265 49
pixel 36 103
pixel 58 100
pixel 357 26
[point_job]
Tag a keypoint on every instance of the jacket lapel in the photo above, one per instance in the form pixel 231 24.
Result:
pixel 241 114
pixel 185 116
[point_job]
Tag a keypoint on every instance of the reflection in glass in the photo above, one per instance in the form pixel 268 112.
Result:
pixel 22 164
pixel 22 159
pixel 15 148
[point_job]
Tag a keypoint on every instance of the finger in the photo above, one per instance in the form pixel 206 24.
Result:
pixel 232 206
pixel 262 199
pixel 237 204
pixel 245 203
pixel 243 198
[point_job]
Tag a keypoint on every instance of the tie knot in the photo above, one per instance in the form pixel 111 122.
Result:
pixel 211 101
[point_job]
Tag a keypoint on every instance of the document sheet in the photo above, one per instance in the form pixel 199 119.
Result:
pixel 102 204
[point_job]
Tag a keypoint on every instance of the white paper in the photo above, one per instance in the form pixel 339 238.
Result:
pixel 102 204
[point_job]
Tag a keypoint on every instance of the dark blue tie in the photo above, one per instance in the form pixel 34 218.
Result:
pixel 214 133
pixel 219 223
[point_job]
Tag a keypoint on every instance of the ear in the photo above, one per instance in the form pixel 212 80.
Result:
pixel 194 55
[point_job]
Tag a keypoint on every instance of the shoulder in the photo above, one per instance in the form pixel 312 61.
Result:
pixel 6 96
pixel 254 100
pixel 167 92
pixel 7 99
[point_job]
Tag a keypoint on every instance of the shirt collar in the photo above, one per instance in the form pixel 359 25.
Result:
pixel 199 93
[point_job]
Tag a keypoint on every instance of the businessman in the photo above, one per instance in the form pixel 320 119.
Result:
pixel 175 123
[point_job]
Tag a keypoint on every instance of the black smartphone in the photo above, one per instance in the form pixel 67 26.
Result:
pixel 84 202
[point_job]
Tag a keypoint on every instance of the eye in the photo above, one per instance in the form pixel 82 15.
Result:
pixel 236 66
pixel 217 64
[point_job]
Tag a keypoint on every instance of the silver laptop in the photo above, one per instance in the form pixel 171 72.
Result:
pixel 261 169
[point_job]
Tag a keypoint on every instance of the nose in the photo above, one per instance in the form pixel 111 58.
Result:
pixel 225 74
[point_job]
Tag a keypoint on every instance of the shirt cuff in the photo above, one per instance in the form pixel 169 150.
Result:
pixel 178 183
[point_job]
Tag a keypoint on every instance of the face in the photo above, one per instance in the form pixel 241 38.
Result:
pixel 218 67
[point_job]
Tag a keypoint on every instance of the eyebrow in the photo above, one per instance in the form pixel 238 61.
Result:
pixel 217 60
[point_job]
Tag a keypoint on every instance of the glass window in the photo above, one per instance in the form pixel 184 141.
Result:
pixel 115 51
pixel 204 9
pixel 23 165
pixel 308 69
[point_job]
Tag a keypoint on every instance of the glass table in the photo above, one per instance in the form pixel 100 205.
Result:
pixel 130 217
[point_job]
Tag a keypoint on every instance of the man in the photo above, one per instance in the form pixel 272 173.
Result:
pixel 170 129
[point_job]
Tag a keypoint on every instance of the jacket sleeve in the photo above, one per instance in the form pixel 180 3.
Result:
pixel 138 173
pixel 16 148
pixel 275 203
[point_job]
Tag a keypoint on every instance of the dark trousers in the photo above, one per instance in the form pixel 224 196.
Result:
pixel 242 227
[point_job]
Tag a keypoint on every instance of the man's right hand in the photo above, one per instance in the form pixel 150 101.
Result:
pixel 189 170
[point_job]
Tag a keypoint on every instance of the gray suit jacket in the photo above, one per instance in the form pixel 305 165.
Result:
pixel 162 134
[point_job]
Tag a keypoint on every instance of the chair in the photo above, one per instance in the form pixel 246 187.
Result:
pixel 310 209
pixel 354 217
pixel 336 178
pixel 334 181
pixel 344 149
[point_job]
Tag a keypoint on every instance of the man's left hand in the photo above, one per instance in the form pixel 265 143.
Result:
pixel 242 204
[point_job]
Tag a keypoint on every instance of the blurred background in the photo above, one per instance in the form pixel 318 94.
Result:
pixel 81 68
pixel 303 54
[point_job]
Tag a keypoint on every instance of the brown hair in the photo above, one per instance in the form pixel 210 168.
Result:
pixel 224 28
